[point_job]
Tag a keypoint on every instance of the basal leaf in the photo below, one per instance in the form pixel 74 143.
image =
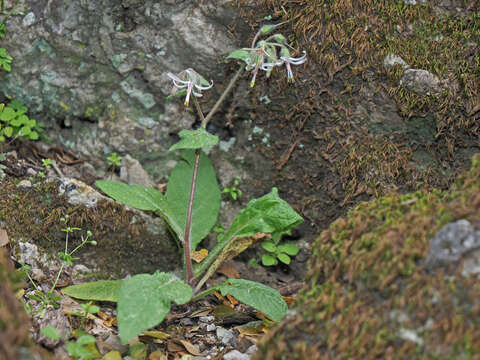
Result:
pixel 259 296
pixel 195 139
pixel 137 196
pixel 102 290
pixel 144 301
pixel 207 197
pixel 267 214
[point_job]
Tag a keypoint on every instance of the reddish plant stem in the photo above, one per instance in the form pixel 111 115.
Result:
pixel 186 238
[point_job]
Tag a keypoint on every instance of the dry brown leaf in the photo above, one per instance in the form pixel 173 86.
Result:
pixel 232 300
pixel 157 355
pixel 4 241
pixel 201 312
pixel 289 300
pixel 174 347
pixel 218 295
pixel 229 271
pixel 192 349
pixel 199 255
pixel 156 334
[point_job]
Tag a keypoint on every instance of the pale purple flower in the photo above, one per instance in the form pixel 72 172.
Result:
pixel 288 60
pixel 192 81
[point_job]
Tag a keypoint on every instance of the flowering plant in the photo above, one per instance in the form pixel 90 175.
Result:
pixel 144 300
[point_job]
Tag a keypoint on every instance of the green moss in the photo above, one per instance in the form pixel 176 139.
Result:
pixel 367 268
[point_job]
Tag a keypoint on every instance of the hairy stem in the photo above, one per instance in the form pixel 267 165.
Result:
pixel 186 238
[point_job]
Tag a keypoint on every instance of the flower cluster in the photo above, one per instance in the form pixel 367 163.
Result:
pixel 266 54
pixel 188 82
pixel 262 55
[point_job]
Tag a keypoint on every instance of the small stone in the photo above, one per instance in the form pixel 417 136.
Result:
pixel 236 355
pixel 211 327
pixel 421 82
pixel 206 319
pixel 31 172
pixel 226 336
pixel 132 172
pixel 391 60
pixel 186 321
pixel 25 184
pixel 29 19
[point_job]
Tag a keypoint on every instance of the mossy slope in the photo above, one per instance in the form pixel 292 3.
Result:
pixel 369 294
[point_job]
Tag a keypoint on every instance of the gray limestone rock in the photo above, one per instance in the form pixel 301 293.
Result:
pixel 421 82
pixel 451 242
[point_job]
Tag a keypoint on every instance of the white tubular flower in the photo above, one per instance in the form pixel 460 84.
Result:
pixel 191 80
pixel 288 60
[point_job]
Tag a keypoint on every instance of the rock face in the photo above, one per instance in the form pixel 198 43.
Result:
pixel 106 61
pixel 382 286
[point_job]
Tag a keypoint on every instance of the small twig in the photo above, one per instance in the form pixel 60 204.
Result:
pixel 57 169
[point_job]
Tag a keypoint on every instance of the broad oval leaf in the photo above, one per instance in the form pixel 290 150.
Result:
pixel 284 258
pixel 194 139
pixel 269 260
pixel 259 296
pixel 269 246
pixel 206 204
pixel 102 290
pixel 137 196
pixel 289 248
pixel 144 301
pixel 268 214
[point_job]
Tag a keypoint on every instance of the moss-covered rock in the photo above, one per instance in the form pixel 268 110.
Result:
pixel 370 293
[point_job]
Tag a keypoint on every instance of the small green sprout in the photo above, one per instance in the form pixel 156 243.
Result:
pixel 47 163
pixel 114 160
pixel 276 252
pixel 234 192
pixel 14 122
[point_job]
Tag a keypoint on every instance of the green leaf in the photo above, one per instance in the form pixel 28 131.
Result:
pixel 144 301
pixel 284 258
pixel 102 290
pixel 269 246
pixel 33 135
pixel 18 106
pixel 7 67
pixel 289 248
pixel 267 29
pixel 178 93
pixel 259 296
pixel 195 139
pixel 269 260
pixel 50 332
pixel 267 214
pixel 8 131
pixel 8 114
pixel 207 197
pixel 26 130
pixel 137 196
pixel 239 54
pixel 85 340
pixel 79 351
